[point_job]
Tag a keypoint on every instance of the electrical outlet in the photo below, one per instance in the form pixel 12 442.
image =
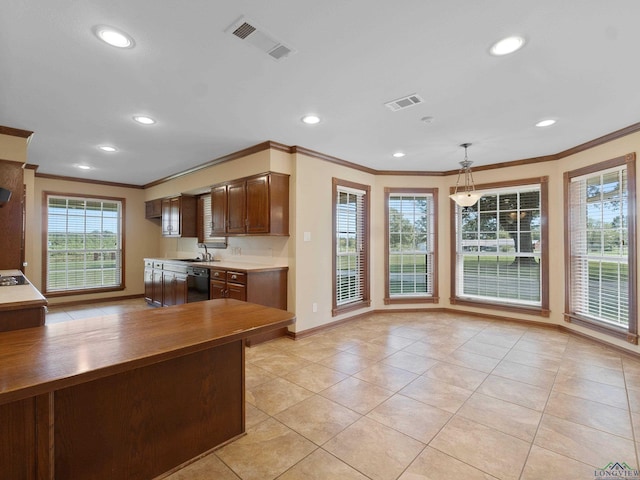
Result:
pixel 314 307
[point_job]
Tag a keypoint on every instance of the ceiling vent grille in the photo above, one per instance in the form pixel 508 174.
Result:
pixel 404 102
pixel 249 32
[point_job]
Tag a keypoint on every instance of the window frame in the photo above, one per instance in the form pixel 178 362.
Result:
pixel 541 310
pixel 364 280
pixel 45 232
pixel 630 334
pixel 412 299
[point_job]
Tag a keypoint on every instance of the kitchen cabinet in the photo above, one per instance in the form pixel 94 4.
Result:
pixel 266 287
pixel 12 215
pixel 256 205
pixel 153 208
pixel 219 210
pixel 237 207
pixel 174 288
pixel 153 282
pixel 179 216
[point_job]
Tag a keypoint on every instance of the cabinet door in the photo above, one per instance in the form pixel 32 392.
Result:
pixel 153 208
pixel 166 217
pixel 237 291
pixel 180 289
pixel 258 204
pixel 236 207
pixel 168 289
pixel 148 285
pixel 217 289
pixel 174 216
pixel 218 211
pixel 156 297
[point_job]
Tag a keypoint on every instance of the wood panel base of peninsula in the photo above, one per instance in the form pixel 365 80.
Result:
pixel 150 419
pixel 143 413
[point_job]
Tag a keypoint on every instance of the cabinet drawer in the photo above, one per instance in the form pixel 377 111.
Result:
pixel 236 277
pixel 218 275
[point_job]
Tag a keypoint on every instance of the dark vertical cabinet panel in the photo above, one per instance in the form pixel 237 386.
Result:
pixel 236 207
pixel 219 210
pixel 18 440
pixel 258 220
pixel 11 216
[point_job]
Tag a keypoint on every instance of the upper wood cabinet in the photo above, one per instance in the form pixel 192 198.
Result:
pixel 12 216
pixel 179 216
pixel 219 210
pixel 256 205
pixel 153 208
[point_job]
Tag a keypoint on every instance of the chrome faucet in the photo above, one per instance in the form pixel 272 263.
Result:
pixel 208 257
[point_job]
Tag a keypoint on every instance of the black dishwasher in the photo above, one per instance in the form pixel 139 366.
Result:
pixel 197 284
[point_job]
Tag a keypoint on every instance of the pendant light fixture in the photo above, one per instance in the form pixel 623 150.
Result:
pixel 469 196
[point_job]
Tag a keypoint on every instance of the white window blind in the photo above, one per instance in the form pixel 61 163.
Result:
pixel 350 245
pixel 84 243
pixel 411 241
pixel 598 224
pixel 498 247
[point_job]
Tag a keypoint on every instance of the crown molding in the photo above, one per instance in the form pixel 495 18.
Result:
pixel 15 132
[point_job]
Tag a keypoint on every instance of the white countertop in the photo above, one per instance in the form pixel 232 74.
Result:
pixel 225 264
pixel 19 294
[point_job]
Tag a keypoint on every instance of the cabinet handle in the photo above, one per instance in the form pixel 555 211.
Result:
pixel 216 274
pixel 233 277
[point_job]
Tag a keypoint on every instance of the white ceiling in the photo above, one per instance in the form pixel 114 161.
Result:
pixel 212 94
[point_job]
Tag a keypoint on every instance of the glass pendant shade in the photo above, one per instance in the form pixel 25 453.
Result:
pixel 468 196
pixel 465 199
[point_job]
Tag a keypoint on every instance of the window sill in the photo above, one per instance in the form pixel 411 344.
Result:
pixel 610 330
pixel 83 291
pixel 410 300
pixel 350 307
pixel 504 307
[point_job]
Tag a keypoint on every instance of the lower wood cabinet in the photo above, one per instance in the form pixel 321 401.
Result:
pixel 153 282
pixel 174 288
pixel 164 284
pixel 266 287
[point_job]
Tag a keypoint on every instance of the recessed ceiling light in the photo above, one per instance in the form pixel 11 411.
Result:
pixel 399 154
pixel 545 123
pixel 107 148
pixel 84 167
pixel 311 119
pixel 113 36
pixel 506 46
pixel 144 120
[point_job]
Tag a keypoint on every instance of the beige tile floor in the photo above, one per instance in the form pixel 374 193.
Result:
pixel 427 396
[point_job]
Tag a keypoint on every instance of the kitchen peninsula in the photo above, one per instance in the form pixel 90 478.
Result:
pixel 21 304
pixel 129 396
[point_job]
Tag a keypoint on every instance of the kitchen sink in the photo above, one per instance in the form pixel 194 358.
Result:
pixel 186 259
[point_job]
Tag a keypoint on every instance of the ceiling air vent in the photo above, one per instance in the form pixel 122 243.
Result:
pixel 404 102
pixel 247 31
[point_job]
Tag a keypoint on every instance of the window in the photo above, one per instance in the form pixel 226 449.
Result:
pixel 351 246
pixel 600 247
pixel 500 256
pixel 84 247
pixel 411 238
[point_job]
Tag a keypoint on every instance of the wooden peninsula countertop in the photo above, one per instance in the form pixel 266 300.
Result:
pixel 132 395
pixel 43 359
